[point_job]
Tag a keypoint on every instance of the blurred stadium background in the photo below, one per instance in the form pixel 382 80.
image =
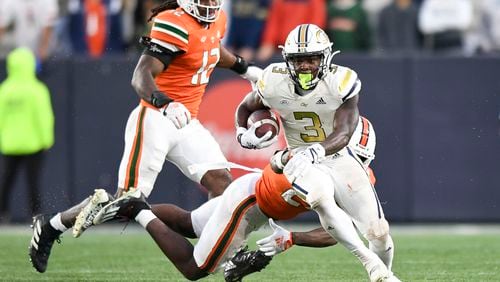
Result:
pixel 437 124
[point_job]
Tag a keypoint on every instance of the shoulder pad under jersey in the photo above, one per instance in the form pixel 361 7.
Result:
pixel 344 81
pixel 274 76
pixel 170 27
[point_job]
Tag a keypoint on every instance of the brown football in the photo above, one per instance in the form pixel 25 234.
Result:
pixel 269 123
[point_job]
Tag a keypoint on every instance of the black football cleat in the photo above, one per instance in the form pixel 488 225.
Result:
pixel 41 243
pixel 243 263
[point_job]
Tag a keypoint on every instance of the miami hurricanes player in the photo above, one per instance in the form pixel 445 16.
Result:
pixel 317 103
pixel 247 204
pixel 170 79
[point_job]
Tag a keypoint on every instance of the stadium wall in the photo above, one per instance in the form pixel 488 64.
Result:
pixel 437 122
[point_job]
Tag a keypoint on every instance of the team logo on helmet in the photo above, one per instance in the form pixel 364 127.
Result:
pixel 307 40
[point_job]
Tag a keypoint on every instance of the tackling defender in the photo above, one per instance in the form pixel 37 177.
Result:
pixel 170 79
pixel 317 102
pixel 224 223
pixel 245 205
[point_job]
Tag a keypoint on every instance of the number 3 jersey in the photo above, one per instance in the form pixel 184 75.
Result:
pixel 185 79
pixel 309 118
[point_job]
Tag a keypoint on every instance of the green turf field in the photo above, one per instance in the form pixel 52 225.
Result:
pixel 108 256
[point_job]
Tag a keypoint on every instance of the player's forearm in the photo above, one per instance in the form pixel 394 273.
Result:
pixel 346 119
pixel 250 103
pixel 143 78
pixel 227 59
pixel 317 238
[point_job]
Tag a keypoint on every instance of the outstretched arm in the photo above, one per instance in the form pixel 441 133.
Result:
pixel 282 239
pixel 317 238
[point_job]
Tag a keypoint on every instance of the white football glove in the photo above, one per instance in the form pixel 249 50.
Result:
pixel 253 74
pixel 278 242
pixel 301 161
pixel 178 114
pixel 279 159
pixel 248 139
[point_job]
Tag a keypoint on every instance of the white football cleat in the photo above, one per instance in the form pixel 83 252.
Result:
pixel 86 216
pixel 380 273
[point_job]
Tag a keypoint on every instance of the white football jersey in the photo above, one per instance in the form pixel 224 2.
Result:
pixel 307 119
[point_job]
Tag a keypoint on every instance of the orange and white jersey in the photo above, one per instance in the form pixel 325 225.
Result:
pixel 186 78
pixel 276 198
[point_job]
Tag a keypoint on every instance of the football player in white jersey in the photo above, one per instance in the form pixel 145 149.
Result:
pixel 317 102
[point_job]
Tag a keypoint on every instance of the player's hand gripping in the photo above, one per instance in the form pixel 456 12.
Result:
pixel 248 139
pixel 178 114
pixel 301 161
pixel 278 242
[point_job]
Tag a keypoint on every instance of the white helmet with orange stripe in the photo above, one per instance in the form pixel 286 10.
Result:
pixel 363 141
pixel 204 10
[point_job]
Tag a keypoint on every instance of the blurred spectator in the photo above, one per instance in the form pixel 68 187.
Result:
pixel 398 27
pixel 443 23
pixel 26 127
pixel 373 9
pixel 247 23
pixel 28 23
pixel 142 12
pixel 95 26
pixel 285 15
pixel 485 35
pixel 348 26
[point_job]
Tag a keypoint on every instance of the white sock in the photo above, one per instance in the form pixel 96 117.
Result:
pixel 336 222
pixel 144 217
pixel 384 248
pixel 57 223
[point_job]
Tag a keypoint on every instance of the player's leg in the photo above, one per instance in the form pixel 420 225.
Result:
pixel 48 227
pixel 361 203
pixel 176 218
pixel 216 181
pixel 142 160
pixel 148 137
pixel 317 187
pixel 227 229
pixel 176 247
pixel 198 146
pixel 33 169
pixel 9 174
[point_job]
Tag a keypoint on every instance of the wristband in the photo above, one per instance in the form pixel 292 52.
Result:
pixel 240 66
pixel 159 99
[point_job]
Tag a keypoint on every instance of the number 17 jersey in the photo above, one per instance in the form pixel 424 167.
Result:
pixel 185 79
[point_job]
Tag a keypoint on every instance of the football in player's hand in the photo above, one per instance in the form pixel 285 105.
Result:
pixel 268 120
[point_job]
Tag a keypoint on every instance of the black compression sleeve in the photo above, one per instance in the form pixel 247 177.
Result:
pixel 240 66
pixel 161 53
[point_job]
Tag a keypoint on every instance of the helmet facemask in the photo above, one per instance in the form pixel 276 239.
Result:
pixel 203 10
pixel 307 44
pixel 306 69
